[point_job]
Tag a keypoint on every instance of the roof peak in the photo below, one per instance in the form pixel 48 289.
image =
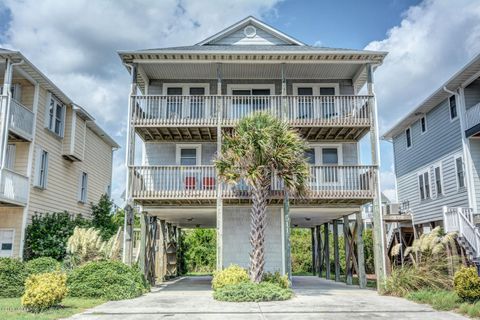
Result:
pixel 256 23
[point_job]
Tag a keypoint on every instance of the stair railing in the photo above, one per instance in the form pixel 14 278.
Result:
pixel 461 220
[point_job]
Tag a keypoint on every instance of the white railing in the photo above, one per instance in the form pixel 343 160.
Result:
pixel 13 187
pixel 173 181
pixel 460 220
pixel 21 119
pixel 157 110
pixel 160 110
pixel 473 116
pixel 200 181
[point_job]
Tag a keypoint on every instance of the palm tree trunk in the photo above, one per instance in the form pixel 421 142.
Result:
pixel 258 224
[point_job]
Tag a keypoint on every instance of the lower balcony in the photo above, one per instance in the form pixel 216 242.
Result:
pixel 13 188
pixel 160 185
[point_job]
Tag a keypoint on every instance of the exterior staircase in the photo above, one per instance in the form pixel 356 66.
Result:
pixel 460 220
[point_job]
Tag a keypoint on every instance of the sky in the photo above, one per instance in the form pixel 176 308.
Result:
pixel 75 42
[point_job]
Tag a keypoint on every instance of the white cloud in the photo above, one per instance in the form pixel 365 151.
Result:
pixel 75 42
pixel 433 41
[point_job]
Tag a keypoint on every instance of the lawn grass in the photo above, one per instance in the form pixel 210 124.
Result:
pixel 11 309
pixel 445 301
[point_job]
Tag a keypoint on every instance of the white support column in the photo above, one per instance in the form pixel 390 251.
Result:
pixel 469 172
pixel 129 161
pixel 378 227
pixel 219 212
pixel 5 111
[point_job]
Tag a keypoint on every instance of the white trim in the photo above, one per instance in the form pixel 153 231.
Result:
pixel 255 22
pixel 233 86
pixel 406 138
pixel 284 248
pixel 318 147
pixel 455 157
pixel 185 87
pixel 316 87
pixel 426 125
pixel 13 241
pixel 180 146
pixel 450 106
pixel 434 175
pixel 422 174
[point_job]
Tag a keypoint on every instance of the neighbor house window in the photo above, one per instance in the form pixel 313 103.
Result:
pixel 41 171
pixel 6 242
pixel 424 185
pixel 408 137
pixel 55 116
pixel 82 197
pixel 438 180
pixel 460 172
pixel 453 107
pixel 423 123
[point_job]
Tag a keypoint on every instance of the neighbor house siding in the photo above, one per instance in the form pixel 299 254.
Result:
pixel 443 136
pixel 62 189
pixel 431 209
pixel 12 218
pixel 475 153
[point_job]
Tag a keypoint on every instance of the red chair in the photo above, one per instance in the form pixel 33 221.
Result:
pixel 208 183
pixel 190 183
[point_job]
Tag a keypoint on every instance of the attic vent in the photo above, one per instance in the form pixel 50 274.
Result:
pixel 250 31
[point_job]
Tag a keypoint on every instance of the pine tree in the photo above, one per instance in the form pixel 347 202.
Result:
pixel 102 218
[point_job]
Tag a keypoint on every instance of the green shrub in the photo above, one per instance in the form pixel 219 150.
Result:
pixel 43 291
pixel 42 265
pixel 112 280
pixel 467 284
pixel 247 291
pixel 277 278
pixel 404 280
pixel 471 309
pixel 198 250
pixel 234 274
pixel 12 277
pixel 47 235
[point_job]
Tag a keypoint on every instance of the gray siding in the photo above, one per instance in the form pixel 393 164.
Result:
pixel 472 94
pixel 475 153
pixel 261 38
pixel 431 209
pixel 346 87
pixel 163 153
pixel 443 136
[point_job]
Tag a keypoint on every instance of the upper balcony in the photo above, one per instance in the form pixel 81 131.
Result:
pixel 20 121
pixel 13 188
pixel 155 185
pixel 169 117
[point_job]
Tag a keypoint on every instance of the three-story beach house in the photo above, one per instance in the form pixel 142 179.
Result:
pixel 437 158
pixel 184 99
pixel 53 156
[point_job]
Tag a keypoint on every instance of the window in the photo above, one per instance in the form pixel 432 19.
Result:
pixel 408 137
pixel 6 242
pixel 438 180
pixel 424 185
pixel 41 170
pixel 460 172
pixel 82 197
pixel 423 124
pixel 55 116
pixel 188 154
pixel 310 156
pixel 453 107
pixel 330 158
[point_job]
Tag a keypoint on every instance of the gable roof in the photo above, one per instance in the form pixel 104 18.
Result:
pixel 250 20
pixel 460 79
pixel 30 70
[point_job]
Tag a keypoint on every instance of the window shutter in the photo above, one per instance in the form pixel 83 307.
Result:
pixel 47 109
pixel 38 163
pixel 46 171
pixel 64 114
pixel 80 178
pixel 86 188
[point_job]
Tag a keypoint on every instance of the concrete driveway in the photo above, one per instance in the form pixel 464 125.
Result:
pixel 191 298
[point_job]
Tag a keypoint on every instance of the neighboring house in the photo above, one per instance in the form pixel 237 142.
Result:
pixel 367 211
pixel 53 155
pixel 183 99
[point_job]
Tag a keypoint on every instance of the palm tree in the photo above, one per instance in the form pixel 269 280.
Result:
pixel 259 148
